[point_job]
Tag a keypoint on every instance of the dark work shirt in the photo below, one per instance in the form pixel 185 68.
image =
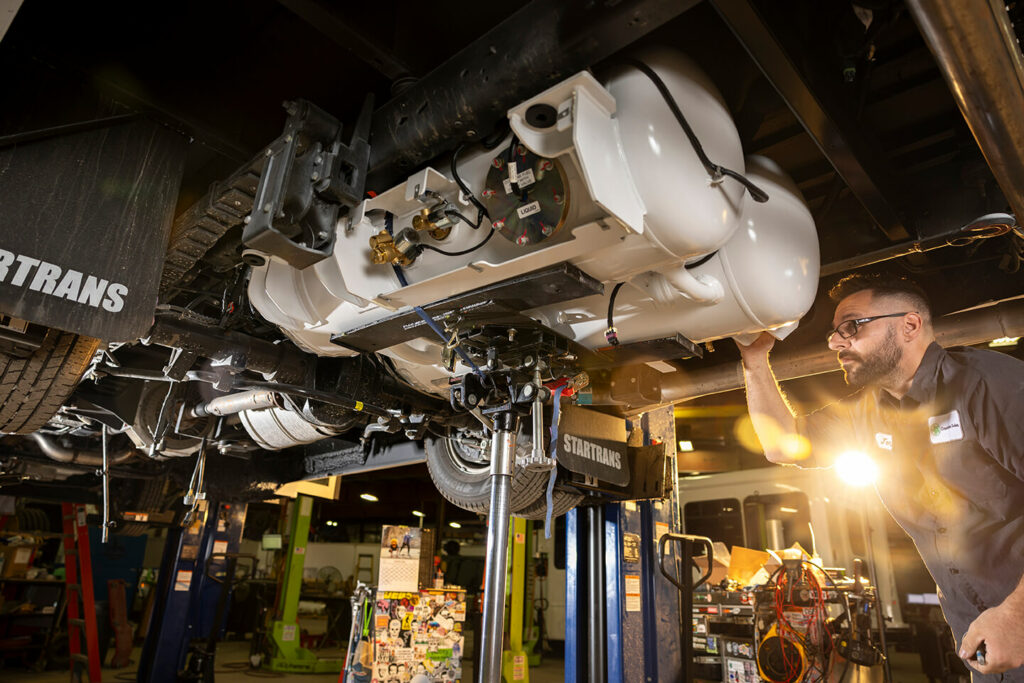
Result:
pixel 951 471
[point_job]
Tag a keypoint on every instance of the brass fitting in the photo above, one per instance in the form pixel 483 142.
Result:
pixel 437 225
pixel 383 250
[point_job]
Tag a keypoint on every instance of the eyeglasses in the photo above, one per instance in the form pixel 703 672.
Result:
pixel 849 328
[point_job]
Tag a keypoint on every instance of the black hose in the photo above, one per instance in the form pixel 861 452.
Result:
pixel 490 234
pixel 481 210
pixel 713 169
pixel 611 334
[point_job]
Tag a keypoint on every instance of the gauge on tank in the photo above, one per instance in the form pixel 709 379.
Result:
pixel 533 207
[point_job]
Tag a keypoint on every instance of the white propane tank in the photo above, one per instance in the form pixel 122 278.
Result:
pixel 769 269
pixel 686 214
pixel 768 272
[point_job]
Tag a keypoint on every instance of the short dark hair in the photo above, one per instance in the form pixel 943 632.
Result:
pixel 883 284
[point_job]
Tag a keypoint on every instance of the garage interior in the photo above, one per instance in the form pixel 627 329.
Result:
pixel 275 451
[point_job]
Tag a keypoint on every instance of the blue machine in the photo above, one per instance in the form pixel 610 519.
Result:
pixel 622 616
pixel 186 597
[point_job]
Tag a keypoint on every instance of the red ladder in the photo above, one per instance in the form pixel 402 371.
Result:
pixel 78 576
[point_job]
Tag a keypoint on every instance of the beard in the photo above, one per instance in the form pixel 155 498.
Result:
pixel 879 364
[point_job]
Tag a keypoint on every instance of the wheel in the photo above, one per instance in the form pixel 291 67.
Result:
pixel 460 467
pixel 561 502
pixel 150 495
pixel 32 389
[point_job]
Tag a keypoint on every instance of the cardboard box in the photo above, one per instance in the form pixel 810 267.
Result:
pixel 16 559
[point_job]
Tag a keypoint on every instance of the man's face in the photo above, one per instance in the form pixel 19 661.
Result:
pixel 875 351
pixel 394 627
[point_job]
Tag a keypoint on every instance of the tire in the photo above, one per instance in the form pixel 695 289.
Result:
pixel 561 502
pixel 466 484
pixel 150 496
pixel 32 389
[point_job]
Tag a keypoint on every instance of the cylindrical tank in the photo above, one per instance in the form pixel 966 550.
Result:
pixel 686 213
pixel 768 271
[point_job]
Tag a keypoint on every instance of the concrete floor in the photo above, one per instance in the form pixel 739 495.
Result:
pixel 232 667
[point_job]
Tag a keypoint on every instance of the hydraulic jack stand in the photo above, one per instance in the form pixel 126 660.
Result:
pixel 503 448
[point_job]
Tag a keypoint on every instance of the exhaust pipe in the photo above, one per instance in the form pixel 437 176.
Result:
pixel 54 451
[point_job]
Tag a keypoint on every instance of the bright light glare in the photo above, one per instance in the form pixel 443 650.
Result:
pixel 1003 341
pixel 369 496
pixel 856 468
pixel 686 446
pixel 787 509
pixel 455 525
pixel 417 513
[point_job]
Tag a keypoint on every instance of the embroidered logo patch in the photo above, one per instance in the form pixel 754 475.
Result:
pixel 884 440
pixel 945 428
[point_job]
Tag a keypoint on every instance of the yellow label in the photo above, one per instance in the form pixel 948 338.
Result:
pixel 359 405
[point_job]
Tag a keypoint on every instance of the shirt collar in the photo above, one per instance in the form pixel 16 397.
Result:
pixel 922 387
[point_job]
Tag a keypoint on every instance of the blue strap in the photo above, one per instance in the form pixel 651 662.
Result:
pixel 554 457
pixel 389 226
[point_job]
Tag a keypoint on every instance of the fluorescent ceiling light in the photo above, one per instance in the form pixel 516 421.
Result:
pixel 1003 341
pixel 417 513
pixel 686 446
pixel 455 525
pixel 369 496
pixel 787 509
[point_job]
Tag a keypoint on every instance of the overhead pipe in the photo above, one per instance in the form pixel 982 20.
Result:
pixel 991 225
pixel 54 451
pixel 977 51
pixel 975 326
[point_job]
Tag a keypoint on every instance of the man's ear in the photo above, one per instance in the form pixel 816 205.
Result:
pixel 913 326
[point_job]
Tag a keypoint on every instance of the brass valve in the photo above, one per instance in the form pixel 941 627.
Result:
pixel 437 224
pixel 383 250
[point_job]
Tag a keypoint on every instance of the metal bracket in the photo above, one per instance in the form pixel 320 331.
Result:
pixel 310 176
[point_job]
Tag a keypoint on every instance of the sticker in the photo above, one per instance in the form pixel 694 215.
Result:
pixel 136 516
pixel 630 505
pixel 22 555
pixel 945 428
pixel 183 580
pixel 288 633
pixel 633 593
pixel 660 529
pixel 518 667
pixel 220 547
pixel 631 548
pixel 520 537
pixel 81 516
pixel 524 180
pixel 884 440
pixel 300 550
pixel 222 526
pixel 528 209
pixel 307 506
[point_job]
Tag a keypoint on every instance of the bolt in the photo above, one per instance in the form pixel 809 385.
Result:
pixel 472 399
pixel 528 361
pixel 269 152
pixel 315 176
pixel 319 159
pixel 247 219
pixel 267 207
pixel 238 203
pixel 288 139
pixel 528 390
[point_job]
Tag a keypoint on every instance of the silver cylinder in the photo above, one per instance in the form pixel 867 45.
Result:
pixel 236 403
pixel 503 446
pixel 776 534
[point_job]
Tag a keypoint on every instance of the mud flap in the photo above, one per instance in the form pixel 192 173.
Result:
pixel 85 225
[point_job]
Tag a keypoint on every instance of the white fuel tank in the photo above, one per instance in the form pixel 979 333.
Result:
pixel 686 213
pixel 768 273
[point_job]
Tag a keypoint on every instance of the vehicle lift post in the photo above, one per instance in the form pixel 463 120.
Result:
pixel 288 654
pixel 186 597
pixel 514 665
pixel 503 448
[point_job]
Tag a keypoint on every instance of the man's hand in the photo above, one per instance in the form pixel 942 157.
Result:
pixel 757 349
pixel 1001 629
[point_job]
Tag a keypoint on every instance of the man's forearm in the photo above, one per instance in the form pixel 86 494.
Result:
pixel 771 416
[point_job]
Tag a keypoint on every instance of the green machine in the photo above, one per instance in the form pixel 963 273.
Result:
pixel 286 652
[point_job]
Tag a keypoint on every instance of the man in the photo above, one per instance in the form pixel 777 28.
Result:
pixel 946 428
